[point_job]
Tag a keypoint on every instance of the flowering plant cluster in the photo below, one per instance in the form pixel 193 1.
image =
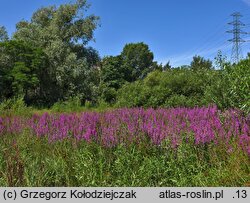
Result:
pixel 197 126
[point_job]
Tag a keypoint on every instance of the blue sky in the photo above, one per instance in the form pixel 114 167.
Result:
pixel 175 30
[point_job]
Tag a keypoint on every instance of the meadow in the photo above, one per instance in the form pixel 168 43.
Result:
pixel 70 116
pixel 201 146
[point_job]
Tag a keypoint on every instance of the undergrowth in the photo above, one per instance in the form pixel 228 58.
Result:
pixel 29 161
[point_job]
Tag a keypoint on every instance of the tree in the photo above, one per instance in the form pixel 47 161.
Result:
pixel 65 23
pixel 200 63
pixel 221 61
pixel 3 34
pixel 248 55
pixel 162 67
pixel 111 72
pixel 167 66
pixel 111 77
pixel 137 61
pixel 63 33
pixel 20 68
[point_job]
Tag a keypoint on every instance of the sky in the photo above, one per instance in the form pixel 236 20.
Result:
pixel 175 30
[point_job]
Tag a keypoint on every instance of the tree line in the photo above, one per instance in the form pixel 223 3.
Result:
pixel 48 60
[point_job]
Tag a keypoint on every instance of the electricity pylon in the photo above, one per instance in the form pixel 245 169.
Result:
pixel 237 39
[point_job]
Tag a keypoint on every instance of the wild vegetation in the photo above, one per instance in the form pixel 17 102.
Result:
pixel 127 147
pixel 71 118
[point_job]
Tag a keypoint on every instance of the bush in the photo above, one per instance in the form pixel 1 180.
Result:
pixel 239 85
pixel 15 106
pixel 230 88
pixel 176 87
pixel 71 105
pixel 130 95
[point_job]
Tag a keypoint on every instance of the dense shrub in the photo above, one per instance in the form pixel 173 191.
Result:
pixel 71 105
pixel 231 87
pixel 14 106
pixel 176 87
pixel 239 85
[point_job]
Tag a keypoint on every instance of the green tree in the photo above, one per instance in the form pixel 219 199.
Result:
pixel 134 63
pixel 137 61
pixel 221 61
pixel 20 67
pixel 3 34
pixel 111 77
pixel 167 66
pixel 248 55
pixel 199 63
pixel 63 33
pixel 111 72
pixel 162 67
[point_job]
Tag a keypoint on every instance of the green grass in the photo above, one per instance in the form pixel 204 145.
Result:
pixel 28 161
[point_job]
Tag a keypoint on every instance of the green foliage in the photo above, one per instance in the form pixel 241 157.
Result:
pixel 239 85
pixel 20 67
pixel 48 60
pixel 63 33
pixel 71 105
pixel 227 88
pixel 111 78
pixel 112 74
pixel 137 61
pixel 130 95
pixel 3 34
pixel 231 87
pixel 199 63
pixel 14 106
pixel 65 23
pixel 108 94
pixel 162 67
pixel 22 78
pixel 176 87
pixel 47 64
pixel 221 61
pixel 35 163
pixel 134 63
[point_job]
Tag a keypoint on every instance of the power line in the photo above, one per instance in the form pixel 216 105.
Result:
pixel 209 45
